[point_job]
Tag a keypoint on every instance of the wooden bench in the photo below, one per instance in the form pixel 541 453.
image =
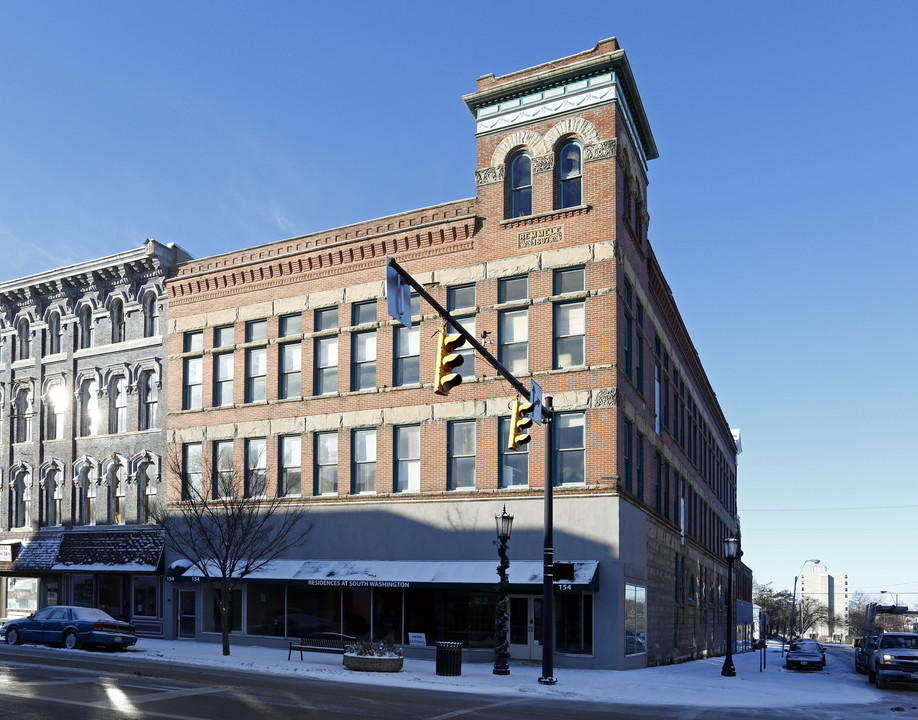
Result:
pixel 326 642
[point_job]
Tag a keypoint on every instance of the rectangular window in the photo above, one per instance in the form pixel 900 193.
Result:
pixel 193 341
pixel 255 464
pixel 461 449
pixel 325 319
pixel 658 474
pixel 575 624
pixel 657 397
pixel 570 449
pixel 407 356
pixel 627 469
pixel 363 374
pixel 223 479
pixel 459 299
pixel 568 280
pixel 635 619
pixel 326 463
pixel 639 364
pixel 514 464
pixel 291 358
pixel 408 458
pixel 191 472
pixel 289 451
pixel 513 289
pixel 364 461
pixel 290 325
pixel 223 379
pixel 570 334
pixel 256 330
pixel 326 366
pixel 192 395
pixel 256 375
pixel 363 312
pixel 513 340
pixel 628 350
pixel 223 336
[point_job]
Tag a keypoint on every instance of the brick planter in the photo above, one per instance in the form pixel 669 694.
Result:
pixel 371 663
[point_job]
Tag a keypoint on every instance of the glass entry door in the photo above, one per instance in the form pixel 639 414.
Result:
pixel 525 627
pixel 187 613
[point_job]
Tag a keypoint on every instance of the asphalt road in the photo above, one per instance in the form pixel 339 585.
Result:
pixel 104 686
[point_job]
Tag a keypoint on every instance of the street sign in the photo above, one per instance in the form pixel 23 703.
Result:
pixel 535 397
pixel 398 296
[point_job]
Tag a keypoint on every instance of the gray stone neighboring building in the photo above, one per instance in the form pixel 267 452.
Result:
pixel 82 435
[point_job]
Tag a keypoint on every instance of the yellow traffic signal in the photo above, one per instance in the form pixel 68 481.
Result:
pixel 519 424
pixel 447 360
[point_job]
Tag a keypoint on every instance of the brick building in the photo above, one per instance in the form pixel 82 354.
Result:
pixel 284 362
pixel 82 436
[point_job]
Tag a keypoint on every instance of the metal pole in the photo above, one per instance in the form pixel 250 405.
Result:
pixel 501 666
pixel 728 669
pixel 548 639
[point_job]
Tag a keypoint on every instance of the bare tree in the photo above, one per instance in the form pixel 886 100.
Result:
pixel 812 612
pixel 228 528
pixel 777 605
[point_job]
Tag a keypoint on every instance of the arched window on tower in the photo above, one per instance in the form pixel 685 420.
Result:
pixel 570 175
pixel 520 200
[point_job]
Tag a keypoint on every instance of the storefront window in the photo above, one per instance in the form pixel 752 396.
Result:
pixel 145 596
pixel 21 596
pixel 312 610
pixel 264 614
pixel 356 605
pixel 84 590
pixel 574 623
pixel 213 623
pixel 387 615
pixel 635 620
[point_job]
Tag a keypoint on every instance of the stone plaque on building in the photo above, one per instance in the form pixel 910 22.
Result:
pixel 542 236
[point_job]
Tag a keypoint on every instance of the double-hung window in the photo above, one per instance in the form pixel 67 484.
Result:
pixel 223 478
pixel 289 453
pixel 513 325
pixel 408 458
pixel 520 200
pixel 256 362
pixel 193 377
pixel 290 357
pixel 363 370
pixel 148 392
pixel 326 352
pixel 364 461
pixel 191 473
pixel 570 448
pixel 570 319
pixel 223 366
pixel 461 299
pixel 570 175
pixel 461 451
pixel 514 464
pixel 255 464
pixel 407 356
pixel 118 408
pixel 326 463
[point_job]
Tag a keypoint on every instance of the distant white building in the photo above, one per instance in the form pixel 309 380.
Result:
pixel 831 590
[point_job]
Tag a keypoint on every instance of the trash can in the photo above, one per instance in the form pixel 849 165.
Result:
pixel 449 658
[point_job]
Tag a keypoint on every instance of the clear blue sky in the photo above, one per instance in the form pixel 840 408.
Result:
pixel 783 204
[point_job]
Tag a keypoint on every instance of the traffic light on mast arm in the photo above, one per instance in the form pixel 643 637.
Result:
pixel 520 422
pixel 447 360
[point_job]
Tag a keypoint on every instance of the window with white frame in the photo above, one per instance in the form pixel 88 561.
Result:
pixel 223 473
pixel 326 381
pixel 514 464
pixel 256 331
pixel 460 300
pixel 570 334
pixel 117 418
pixel 513 325
pixel 407 356
pixel 193 376
pixel 255 466
pixel 289 452
pixel 256 374
pixel 148 393
pixel 570 448
pixel 461 452
pixel 326 463
pixel 364 461
pixel 291 360
pixel 192 472
pixel 363 373
pixel 290 325
pixel 408 458
pixel 223 379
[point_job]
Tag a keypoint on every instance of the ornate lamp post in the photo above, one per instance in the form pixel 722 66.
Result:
pixel 731 552
pixel 793 616
pixel 504 522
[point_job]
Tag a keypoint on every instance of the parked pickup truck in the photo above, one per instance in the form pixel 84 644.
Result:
pixel 868 654
pixel 895 659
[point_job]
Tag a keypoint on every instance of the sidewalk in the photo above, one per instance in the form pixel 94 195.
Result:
pixel 694 683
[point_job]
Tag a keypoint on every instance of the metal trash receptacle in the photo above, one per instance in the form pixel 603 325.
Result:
pixel 449 658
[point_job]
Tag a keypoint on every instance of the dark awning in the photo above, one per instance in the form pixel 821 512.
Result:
pixel 524 576
pixel 110 551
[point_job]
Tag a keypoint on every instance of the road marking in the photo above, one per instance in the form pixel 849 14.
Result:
pixel 469 711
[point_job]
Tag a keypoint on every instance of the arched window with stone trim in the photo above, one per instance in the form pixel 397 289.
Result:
pixel 23 346
pixel 56 398
pixel 150 314
pixel 145 471
pixel 21 498
pixel 570 174
pixel 85 483
pixel 24 410
pixel 117 315
pixel 117 484
pixel 89 408
pixel 520 187
pixel 54 333
pixel 87 331
pixel 117 416
pixel 148 396
pixel 54 496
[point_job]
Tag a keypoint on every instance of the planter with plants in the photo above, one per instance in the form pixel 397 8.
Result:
pixel 367 656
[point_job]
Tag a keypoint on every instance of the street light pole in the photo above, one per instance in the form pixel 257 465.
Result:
pixel 731 551
pixel 793 617
pixel 504 522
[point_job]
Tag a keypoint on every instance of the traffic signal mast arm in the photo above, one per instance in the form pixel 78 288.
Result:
pixel 459 330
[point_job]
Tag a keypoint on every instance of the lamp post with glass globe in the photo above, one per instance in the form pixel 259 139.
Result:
pixel 504 522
